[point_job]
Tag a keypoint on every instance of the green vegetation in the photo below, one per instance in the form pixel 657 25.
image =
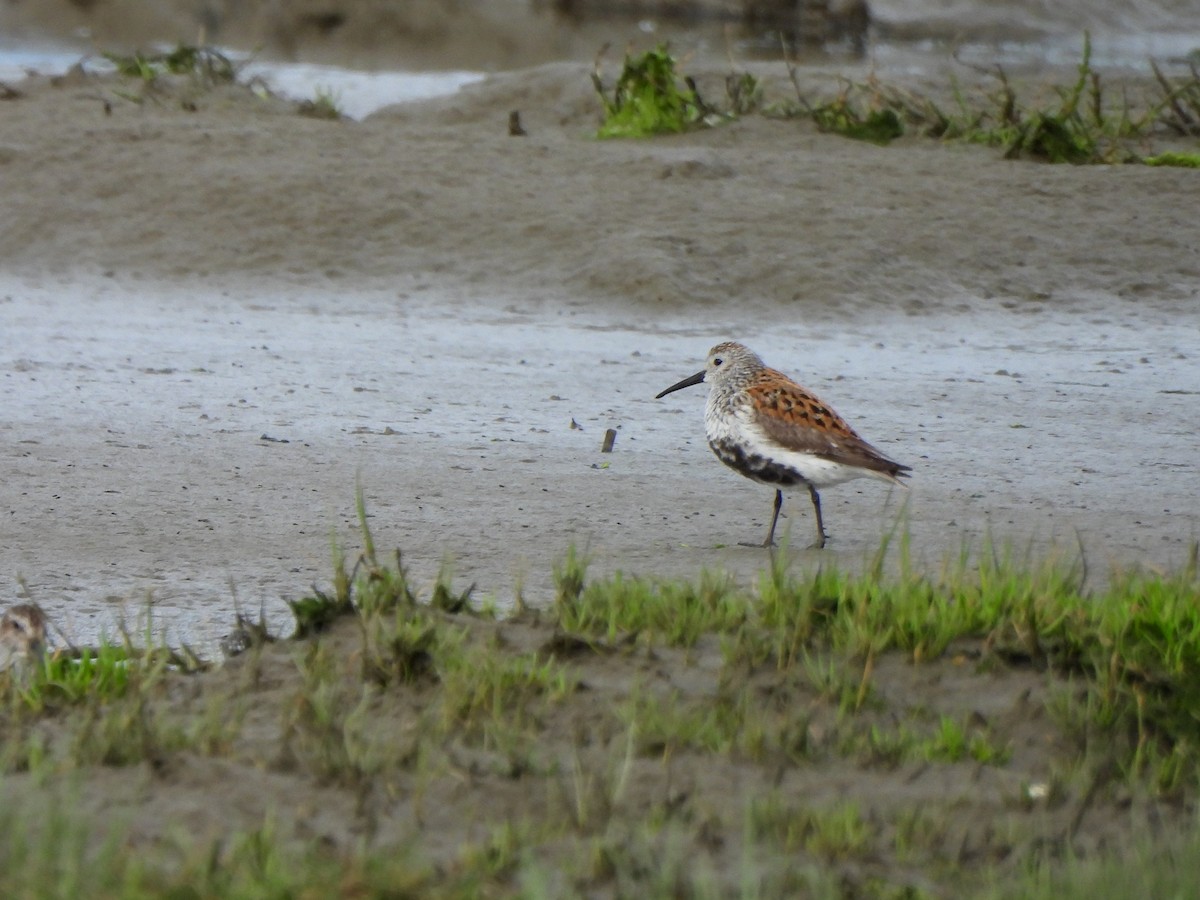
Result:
pixel 188 73
pixel 950 741
pixel 107 672
pixel 842 116
pixel 1084 124
pixel 1131 651
pixel 650 98
pixel 833 834
pixel 647 98
pixel 1182 160
pixel 324 105
pixel 204 64
pixel 894 732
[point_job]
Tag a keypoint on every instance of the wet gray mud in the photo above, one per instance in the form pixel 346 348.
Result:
pixel 218 317
pixel 200 450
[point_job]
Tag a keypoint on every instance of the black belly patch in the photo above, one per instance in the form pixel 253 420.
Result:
pixel 755 465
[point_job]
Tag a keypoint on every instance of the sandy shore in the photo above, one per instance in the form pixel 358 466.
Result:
pixel 217 319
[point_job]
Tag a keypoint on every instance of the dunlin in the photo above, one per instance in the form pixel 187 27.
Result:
pixel 765 426
pixel 22 636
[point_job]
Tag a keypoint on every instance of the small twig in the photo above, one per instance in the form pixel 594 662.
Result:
pixel 703 108
pixel 975 67
pixel 1008 104
pixel 597 82
pixel 1186 124
pixel 791 70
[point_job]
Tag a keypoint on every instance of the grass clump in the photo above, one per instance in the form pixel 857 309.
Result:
pixel 50 850
pixel 325 105
pixel 1082 126
pixel 950 742
pixel 1133 648
pixel 650 98
pixel 664 724
pixel 318 611
pixel 204 64
pixel 834 833
pixel 368 588
pixel 127 732
pixel 647 98
pixel 1157 865
pixel 482 689
pixel 326 727
pixel 842 116
pixel 108 672
pixel 1081 130
pixel 65 678
pixel 1179 160
pixel 407 643
pixel 402 650
pixel 677 613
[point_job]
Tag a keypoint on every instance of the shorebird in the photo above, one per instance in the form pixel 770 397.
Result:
pixel 765 426
pixel 22 636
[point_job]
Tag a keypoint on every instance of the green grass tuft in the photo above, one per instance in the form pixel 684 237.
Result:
pixel 1134 646
pixel 647 98
pixel 676 613
pixel 325 105
pixel 651 98
pixel 1084 125
pixel 484 687
pixel 202 63
pixel 1181 160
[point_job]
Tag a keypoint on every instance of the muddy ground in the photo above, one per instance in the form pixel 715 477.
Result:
pixel 578 794
pixel 218 317
pixel 217 322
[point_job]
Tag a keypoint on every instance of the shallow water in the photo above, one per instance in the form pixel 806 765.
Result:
pixel 909 36
pixel 357 94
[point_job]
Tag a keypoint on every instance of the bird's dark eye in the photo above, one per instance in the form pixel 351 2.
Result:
pixel 718 361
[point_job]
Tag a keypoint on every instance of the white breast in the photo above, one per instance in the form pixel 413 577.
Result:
pixel 722 424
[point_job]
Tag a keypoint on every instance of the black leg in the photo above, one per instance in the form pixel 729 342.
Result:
pixel 770 541
pixel 821 535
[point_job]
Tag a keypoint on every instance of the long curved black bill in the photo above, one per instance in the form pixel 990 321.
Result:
pixel 687 382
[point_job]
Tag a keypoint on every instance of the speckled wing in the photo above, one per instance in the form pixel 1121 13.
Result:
pixel 798 421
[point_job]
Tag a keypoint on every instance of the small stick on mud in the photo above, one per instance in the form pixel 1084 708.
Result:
pixel 610 438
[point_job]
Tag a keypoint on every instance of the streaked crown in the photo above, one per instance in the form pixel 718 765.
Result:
pixel 730 364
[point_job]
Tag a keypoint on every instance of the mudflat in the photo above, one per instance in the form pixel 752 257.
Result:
pixel 220 316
